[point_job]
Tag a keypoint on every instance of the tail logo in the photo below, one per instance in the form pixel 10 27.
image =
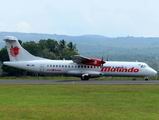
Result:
pixel 14 51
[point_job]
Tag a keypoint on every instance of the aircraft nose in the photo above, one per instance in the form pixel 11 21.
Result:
pixel 154 72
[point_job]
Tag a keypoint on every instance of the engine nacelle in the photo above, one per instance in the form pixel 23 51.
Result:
pixel 85 75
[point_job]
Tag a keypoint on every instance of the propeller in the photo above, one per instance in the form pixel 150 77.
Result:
pixel 107 58
pixel 102 61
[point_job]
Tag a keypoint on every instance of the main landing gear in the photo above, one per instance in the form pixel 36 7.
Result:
pixel 85 77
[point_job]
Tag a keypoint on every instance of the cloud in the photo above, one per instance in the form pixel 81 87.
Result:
pixel 23 27
pixel 78 17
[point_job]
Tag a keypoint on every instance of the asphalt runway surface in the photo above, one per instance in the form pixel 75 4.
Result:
pixel 100 82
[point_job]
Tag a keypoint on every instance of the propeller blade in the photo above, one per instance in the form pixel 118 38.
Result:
pixel 107 57
pixel 102 61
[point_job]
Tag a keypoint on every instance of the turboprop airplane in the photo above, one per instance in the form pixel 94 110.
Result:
pixel 79 66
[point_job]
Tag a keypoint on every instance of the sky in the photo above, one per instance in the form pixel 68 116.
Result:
pixel 110 18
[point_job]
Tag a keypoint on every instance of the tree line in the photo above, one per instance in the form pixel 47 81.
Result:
pixel 49 48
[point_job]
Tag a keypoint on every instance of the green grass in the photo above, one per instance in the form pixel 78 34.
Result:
pixel 79 102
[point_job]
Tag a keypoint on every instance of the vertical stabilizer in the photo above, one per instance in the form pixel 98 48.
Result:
pixel 16 52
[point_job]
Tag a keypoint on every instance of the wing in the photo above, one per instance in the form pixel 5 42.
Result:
pixel 88 61
pixel 79 59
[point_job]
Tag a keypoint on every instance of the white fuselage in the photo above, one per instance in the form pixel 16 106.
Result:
pixel 68 67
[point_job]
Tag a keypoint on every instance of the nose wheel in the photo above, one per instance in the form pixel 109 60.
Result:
pixel 146 78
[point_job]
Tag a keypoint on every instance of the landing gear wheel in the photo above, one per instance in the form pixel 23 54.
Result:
pixel 146 78
pixel 84 78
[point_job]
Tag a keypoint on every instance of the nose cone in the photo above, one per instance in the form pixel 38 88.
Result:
pixel 154 72
pixel 151 72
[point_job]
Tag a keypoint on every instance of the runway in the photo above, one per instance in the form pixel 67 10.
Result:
pixel 97 82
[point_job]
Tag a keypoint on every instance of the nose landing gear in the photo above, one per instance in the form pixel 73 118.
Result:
pixel 146 78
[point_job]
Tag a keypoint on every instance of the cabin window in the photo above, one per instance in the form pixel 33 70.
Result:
pixel 66 66
pixel 56 65
pixel 31 65
pixel 62 65
pixel 78 66
pixel 53 65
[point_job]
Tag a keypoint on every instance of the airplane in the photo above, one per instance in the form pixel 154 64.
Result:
pixel 79 66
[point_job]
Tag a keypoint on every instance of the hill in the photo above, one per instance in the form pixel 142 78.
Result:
pixel 89 38
pixel 120 48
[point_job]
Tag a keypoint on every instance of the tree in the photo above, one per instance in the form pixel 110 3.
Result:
pixel 46 53
pixel 3 52
pixel 51 44
pixel 62 45
pixel 42 44
pixel 71 46
pixel 67 54
pixel 11 71
pixel 31 47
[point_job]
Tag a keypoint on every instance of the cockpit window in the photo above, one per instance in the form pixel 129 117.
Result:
pixel 144 65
